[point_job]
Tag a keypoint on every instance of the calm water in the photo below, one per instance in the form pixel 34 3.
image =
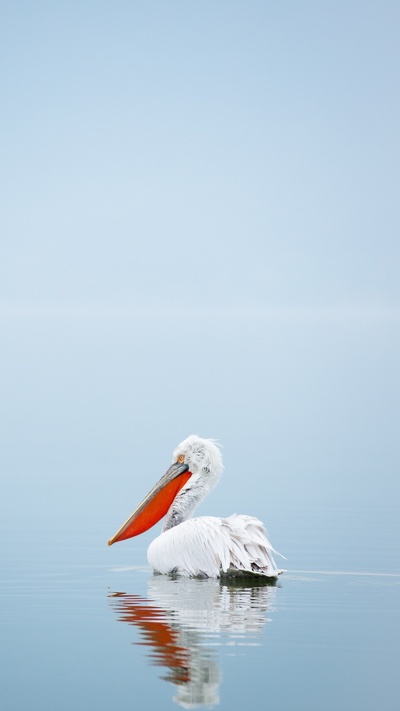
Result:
pixel 86 627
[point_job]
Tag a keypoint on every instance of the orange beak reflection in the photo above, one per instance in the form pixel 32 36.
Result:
pixel 156 503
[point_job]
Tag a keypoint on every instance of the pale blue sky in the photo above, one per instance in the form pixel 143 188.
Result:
pixel 250 149
pixel 200 233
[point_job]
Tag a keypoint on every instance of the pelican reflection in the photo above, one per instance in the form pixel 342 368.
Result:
pixel 184 621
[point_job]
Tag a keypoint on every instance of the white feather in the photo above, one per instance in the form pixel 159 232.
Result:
pixel 213 546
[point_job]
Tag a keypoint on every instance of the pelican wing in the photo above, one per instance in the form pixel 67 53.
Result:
pixel 213 547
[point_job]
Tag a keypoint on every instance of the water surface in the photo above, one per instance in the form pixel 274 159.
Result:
pixel 84 629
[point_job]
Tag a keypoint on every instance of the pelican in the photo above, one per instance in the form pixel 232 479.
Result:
pixel 198 547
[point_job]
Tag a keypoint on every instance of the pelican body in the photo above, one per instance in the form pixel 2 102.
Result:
pixel 207 546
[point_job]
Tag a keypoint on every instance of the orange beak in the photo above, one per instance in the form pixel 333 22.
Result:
pixel 156 503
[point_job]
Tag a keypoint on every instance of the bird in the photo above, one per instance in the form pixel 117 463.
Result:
pixel 206 546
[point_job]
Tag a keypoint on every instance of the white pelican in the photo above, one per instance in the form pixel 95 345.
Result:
pixel 207 546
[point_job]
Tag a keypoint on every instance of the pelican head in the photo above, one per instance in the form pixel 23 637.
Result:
pixel 195 470
pixel 202 457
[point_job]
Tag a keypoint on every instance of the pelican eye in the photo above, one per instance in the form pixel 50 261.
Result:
pixel 181 458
